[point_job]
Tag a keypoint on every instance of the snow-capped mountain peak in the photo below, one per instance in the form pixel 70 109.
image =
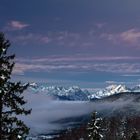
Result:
pixel 110 90
pixel 76 93
pixel 59 92
pixel 117 89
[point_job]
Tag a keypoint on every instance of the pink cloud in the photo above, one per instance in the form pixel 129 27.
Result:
pixel 45 39
pixel 110 37
pixel 122 68
pixel 21 68
pixel 31 38
pixel 61 38
pixel 131 36
pixel 100 25
pixel 16 25
pixel 66 63
pixel 83 58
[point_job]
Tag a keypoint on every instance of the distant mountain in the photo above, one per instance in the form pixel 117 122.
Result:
pixel 110 90
pixel 77 94
pixel 58 92
pixel 136 89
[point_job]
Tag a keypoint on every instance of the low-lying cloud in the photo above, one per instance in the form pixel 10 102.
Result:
pixel 46 112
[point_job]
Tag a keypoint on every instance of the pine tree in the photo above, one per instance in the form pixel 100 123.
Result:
pixel 122 132
pixel 11 98
pixel 94 128
pixel 135 135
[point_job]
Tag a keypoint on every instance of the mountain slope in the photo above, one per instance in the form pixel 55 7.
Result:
pixel 75 93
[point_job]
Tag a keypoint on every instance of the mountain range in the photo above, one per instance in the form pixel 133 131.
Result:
pixel 76 93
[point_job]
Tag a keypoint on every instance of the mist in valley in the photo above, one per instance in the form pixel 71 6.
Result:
pixel 47 112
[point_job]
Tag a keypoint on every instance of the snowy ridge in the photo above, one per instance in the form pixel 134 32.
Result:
pixel 75 93
pixel 72 93
pixel 110 90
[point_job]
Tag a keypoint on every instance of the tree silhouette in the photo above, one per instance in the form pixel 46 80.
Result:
pixel 94 128
pixel 11 97
pixel 135 135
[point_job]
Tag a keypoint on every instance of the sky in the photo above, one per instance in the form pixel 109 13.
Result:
pixel 88 43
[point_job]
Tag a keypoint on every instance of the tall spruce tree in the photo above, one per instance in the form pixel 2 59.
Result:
pixel 94 128
pixel 11 97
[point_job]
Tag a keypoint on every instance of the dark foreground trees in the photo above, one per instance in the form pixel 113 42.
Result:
pixel 94 128
pixel 11 98
pixel 112 128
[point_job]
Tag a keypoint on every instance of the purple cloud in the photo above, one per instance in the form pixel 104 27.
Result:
pixel 131 36
pixel 100 25
pixel 31 38
pixel 102 64
pixel 78 58
pixel 16 25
